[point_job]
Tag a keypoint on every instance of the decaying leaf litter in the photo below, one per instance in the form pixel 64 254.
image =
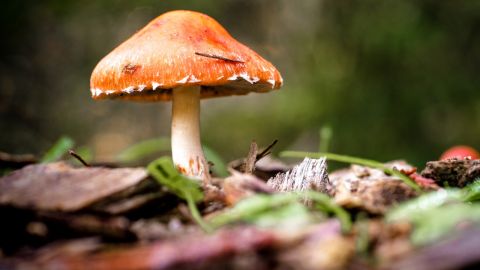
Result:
pixel 76 216
pixel 194 212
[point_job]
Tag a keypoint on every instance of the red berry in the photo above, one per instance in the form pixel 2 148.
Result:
pixel 460 151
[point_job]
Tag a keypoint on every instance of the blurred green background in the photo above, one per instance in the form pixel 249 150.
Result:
pixel 393 79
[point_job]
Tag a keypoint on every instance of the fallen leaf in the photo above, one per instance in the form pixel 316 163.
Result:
pixel 60 187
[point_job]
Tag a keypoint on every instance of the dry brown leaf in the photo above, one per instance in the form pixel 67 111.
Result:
pixel 60 187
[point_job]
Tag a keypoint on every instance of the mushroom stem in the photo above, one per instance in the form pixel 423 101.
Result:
pixel 187 150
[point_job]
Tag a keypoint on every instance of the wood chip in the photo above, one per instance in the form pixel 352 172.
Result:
pixel 455 172
pixel 60 187
pixel 310 174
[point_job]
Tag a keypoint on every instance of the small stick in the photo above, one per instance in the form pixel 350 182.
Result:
pixel 219 57
pixel 79 158
pixel 251 158
pixel 266 152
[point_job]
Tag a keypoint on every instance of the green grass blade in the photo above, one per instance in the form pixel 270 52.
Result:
pixel 329 206
pixel 325 136
pixel 252 206
pixel 196 214
pixel 144 149
pixel 220 167
pixel 59 149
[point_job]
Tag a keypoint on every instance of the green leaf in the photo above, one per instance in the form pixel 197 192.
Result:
pixel 280 210
pixel 250 208
pixel 435 214
pixel 220 167
pixel 165 173
pixel 354 160
pixel 426 202
pixel 59 149
pixel 144 149
pixel 438 222
pixel 472 191
pixel 292 215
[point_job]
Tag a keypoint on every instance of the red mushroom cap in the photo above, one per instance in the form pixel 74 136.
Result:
pixel 460 151
pixel 181 48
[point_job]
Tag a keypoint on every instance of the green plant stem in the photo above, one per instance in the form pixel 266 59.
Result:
pixel 325 135
pixel 354 160
pixel 59 149
pixel 192 206
pixel 339 212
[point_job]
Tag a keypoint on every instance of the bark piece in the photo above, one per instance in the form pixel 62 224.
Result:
pixel 388 241
pixel 136 203
pixel 16 161
pixel 240 185
pixel 32 260
pixel 369 189
pixel 460 251
pixel 321 246
pixel 310 174
pixel 456 172
pixel 60 187
pixel 66 224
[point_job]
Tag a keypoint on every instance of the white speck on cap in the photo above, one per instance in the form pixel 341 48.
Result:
pixel 184 80
pixel 233 78
pixel 245 76
pixel 128 90
pixel 193 79
pixel 155 85
pixel 272 82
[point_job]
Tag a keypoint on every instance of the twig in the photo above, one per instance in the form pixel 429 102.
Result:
pixel 251 158
pixel 79 158
pixel 266 152
pixel 219 57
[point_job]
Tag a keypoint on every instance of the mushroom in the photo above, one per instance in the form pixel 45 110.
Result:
pixel 182 56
